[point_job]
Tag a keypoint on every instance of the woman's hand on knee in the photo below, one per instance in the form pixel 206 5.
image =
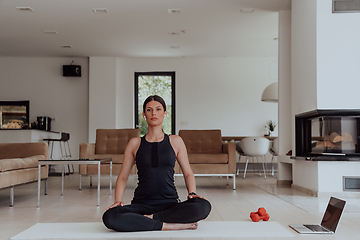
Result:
pixel 116 204
pixel 195 196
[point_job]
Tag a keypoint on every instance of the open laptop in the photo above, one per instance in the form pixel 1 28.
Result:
pixel 329 222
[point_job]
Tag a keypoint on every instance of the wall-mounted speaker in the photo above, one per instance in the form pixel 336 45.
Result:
pixel 71 70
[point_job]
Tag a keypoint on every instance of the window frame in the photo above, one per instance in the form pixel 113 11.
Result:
pixel 173 105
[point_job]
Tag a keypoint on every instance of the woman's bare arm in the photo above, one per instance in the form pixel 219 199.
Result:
pixel 183 160
pixel 127 164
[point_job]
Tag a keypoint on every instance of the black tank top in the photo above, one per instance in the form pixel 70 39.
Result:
pixel 155 163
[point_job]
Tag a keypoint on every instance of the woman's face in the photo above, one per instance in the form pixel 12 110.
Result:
pixel 154 113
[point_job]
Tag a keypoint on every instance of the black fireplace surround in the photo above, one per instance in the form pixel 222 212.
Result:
pixel 328 135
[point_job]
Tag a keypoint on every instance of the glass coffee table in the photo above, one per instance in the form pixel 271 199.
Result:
pixel 65 162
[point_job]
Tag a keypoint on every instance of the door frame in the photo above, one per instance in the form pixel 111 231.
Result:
pixel 157 73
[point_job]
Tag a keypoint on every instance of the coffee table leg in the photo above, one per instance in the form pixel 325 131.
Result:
pixel 79 182
pixel 46 186
pixel 234 182
pixel 39 183
pixel 62 181
pixel 98 203
pixel 110 178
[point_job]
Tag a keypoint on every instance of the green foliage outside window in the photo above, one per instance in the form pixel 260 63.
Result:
pixel 154 85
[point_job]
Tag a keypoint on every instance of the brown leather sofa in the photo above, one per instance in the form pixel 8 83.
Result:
pixel 109 143
pixel 19 164
pixel 208 155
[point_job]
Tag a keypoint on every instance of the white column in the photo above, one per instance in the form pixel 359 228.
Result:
pixel 284 106
pixel 285 117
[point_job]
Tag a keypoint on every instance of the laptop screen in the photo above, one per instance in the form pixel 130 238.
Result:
pixel 333 213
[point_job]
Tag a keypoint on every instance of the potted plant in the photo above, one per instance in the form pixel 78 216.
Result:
pixel 270 127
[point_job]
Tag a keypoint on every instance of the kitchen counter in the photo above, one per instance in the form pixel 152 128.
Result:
pixel 26 135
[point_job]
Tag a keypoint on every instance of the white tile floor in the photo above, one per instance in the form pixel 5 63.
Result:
pixel 284 205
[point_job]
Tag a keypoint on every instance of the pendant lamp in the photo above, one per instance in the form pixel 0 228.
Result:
pixel 270 93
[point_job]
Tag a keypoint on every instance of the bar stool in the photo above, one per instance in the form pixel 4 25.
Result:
pixel 64 147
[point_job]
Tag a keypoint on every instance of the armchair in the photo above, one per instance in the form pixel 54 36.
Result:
pixel 208 155
pixel 110 143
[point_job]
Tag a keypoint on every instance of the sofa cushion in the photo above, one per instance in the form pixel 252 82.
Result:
pixel 22 150
pixel 202 141
pixel 208 158
pixel 116 158
pixel 33 161
pixel 19 163
pixel 113 141
pixel 11 164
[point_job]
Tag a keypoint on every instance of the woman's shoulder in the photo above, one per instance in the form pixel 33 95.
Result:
pixel 133 145
pixel 175 139
pixel 134 142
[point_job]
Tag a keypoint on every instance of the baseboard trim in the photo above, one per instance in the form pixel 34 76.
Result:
pixel 326 194
pixel 305 190
pixel 284 183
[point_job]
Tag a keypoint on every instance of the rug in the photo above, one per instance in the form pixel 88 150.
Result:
pixel 206 230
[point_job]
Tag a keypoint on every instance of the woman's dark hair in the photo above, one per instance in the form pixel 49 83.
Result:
pixel 154 98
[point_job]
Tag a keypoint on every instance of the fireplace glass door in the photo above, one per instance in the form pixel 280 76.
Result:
pixel 335 135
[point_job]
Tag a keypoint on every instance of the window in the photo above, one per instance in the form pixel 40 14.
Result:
pixel 155 83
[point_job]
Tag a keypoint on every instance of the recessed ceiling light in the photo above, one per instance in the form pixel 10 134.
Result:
pixel 100 10
pixel 25 9
pixel 247 10
pixel 174 33
pixel 50 32
pixel 174 10
pixel 65 46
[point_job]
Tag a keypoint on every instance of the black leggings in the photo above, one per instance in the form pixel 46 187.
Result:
pixel 129 218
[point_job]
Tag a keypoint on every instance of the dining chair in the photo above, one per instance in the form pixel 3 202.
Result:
pixel 274 151
pixel 241 153
pixel 255 147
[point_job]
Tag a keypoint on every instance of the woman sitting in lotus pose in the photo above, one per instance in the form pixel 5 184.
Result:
pixel 156 204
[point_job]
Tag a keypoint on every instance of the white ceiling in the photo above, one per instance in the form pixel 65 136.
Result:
pixel 140 28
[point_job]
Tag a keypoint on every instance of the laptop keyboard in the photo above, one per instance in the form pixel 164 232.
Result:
pixel 316 228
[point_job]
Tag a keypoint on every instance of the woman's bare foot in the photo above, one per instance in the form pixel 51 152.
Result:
pixel 149 216
pixel 179 226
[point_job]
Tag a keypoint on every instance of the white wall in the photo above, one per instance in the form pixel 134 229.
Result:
pixel 303 59
pixel 40 80
pixel 211 93
pixel 331 175
pixel 324 178
pixel 303 56
pixel 325 57
pixel 305 174
pixel 338 58
pixel 125 100
pixel 102 94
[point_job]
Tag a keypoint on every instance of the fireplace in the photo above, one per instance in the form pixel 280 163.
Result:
pixel 328 135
